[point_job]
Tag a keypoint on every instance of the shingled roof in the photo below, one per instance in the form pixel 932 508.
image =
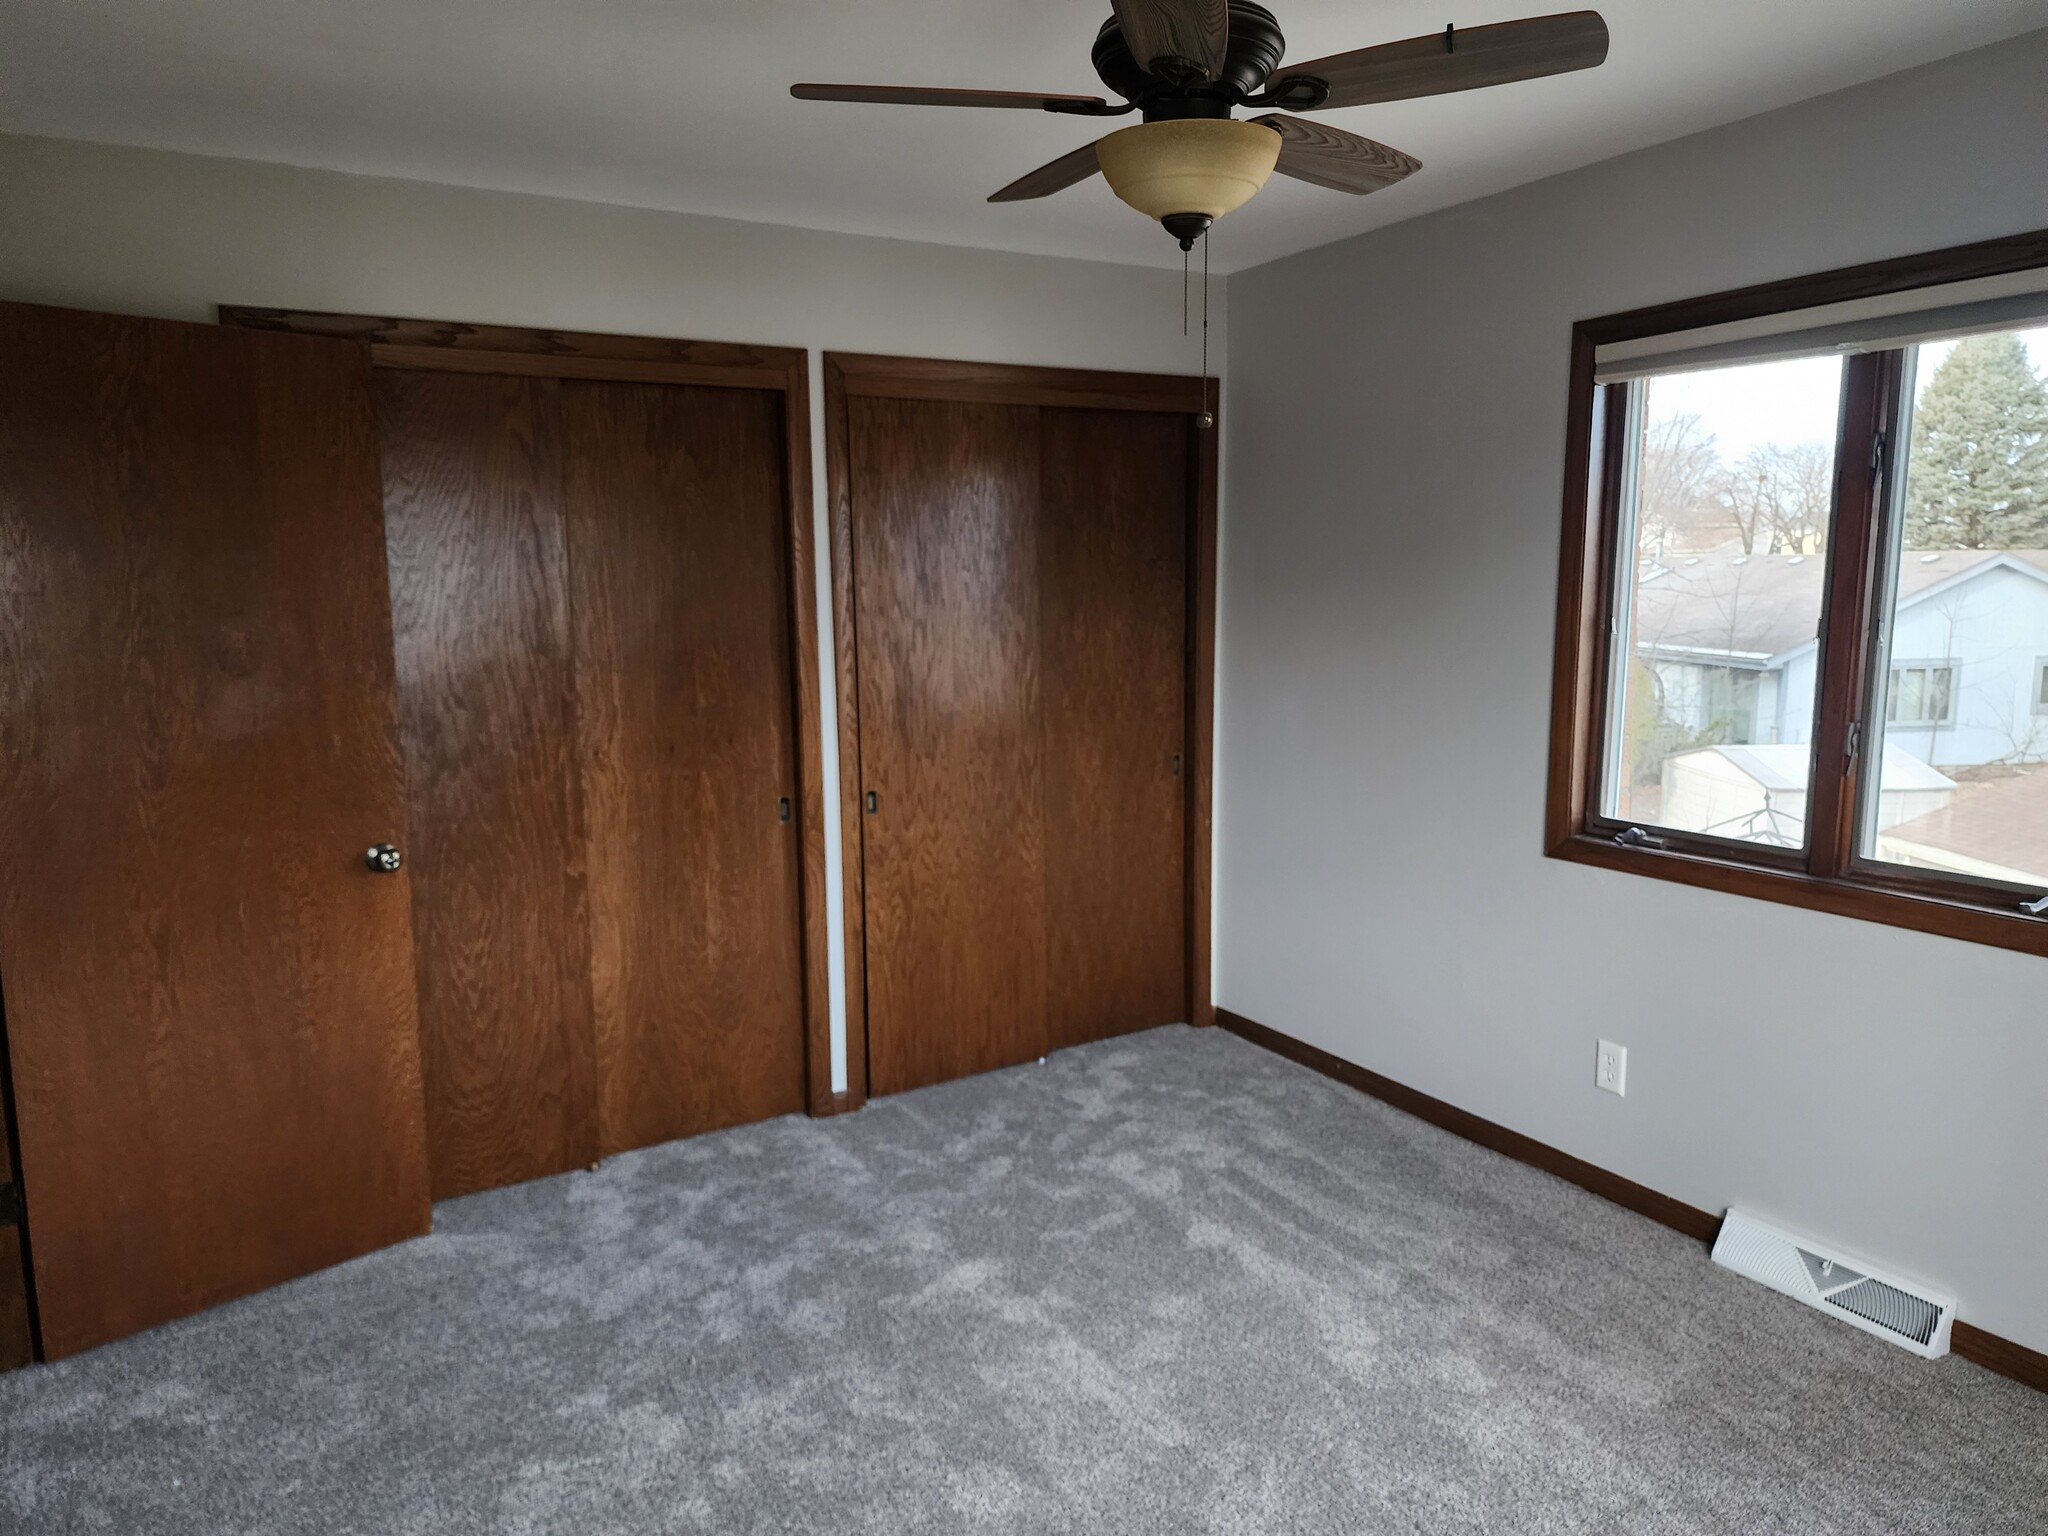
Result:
pixel 1999 825
pixel 1755 607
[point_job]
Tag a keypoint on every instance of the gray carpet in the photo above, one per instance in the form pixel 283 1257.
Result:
pixel 1166 1284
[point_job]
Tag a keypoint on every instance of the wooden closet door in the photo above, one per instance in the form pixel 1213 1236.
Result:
pixel 945 515
pixel 1113 605
pixel 209 996
pixel 680 602
pixel 480 619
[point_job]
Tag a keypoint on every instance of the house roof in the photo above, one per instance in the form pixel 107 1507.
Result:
pixel 1784 766
pixel 1753 608
pixel 2001 823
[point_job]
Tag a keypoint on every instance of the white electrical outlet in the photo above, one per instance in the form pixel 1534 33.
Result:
pixel 1610 1070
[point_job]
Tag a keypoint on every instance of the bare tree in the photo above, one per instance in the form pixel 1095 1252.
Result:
pixel 1674 491
pixel 1778 499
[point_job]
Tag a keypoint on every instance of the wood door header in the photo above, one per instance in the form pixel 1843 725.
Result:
pixel 925 378
pixel 456 347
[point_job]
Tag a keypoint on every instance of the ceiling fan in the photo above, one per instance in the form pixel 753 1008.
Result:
pixel 1186 65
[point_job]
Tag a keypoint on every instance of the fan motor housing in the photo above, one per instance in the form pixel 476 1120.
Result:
pixel 1256 46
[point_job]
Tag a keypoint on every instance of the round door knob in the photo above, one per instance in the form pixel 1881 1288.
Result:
pixel 384 858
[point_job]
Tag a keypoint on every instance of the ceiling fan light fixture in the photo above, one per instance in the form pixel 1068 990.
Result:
pixel 1191 168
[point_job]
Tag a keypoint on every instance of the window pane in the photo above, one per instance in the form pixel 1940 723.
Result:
pixel 1962 783
pixel 1729 490
pixel 1912 696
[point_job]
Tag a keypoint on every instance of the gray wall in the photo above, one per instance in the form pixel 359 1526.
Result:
pixel 154 233
pixel 1395 431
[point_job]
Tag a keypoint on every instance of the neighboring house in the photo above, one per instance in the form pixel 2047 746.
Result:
pixel 1731 642
pixel 1758 793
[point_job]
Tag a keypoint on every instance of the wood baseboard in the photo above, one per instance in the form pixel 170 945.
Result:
pixel 2026 1366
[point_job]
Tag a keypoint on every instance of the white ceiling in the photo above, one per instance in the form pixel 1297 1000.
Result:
pixel 684 104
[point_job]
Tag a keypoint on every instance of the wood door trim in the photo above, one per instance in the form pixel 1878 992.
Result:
pixel 460 347
pixel 851 375
pixel 615 370
pixel 457 344
pixel 927 378
pixel 1994 1353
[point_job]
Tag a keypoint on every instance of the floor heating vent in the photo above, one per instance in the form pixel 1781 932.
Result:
pixel 1909 1315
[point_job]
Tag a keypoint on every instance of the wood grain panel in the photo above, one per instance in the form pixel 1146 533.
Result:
pixel 1468 58
pixel 480 624
pixel 460 347
pixel 209 998
pixel 945 511
pixel 1177 38
pixel 1075 166
pixel 1335 158
pixel 680 596
pixel 1113 625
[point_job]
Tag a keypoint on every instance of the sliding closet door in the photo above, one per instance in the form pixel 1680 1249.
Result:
pixel 1017 566
pixel 480 620
pixel 1112 550
pixel 679 590
pixel 946 531
pixel 209 996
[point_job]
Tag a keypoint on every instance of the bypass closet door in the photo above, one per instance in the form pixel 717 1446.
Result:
pixel 480 619
pixel 590 592
pixel 679 594
pixel 209 996
pixel 946 541
pixel 1114 646
pixel 1021 612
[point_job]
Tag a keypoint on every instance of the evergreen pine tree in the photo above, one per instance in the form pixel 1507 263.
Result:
pixel 1978 477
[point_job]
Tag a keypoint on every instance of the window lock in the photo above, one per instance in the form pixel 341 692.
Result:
pixel 1636 837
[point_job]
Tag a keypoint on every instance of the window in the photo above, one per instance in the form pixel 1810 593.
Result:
pixel 1963 551
pixel 1803 618
pixel 1726 500
pixel 1922 694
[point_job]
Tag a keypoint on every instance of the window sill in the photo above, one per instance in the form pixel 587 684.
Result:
pixel 1849 896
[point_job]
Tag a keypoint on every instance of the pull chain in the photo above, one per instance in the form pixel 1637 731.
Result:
pixel 1208 417
pixel 1183 290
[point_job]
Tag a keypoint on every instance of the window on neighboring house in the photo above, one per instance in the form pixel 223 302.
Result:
pixel 1803 644
pixel 1920 695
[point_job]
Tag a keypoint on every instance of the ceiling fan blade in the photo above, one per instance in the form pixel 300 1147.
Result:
pixel 1458 59
pixel 1076 165
pixel 930 96
pixel 1330 157
pixel 1177 40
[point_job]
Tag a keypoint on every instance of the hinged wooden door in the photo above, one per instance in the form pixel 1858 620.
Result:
pixel 209 995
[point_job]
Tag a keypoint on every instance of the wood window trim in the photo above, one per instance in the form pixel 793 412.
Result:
pixel 851 375
pixel 458 347
pixel 1829 875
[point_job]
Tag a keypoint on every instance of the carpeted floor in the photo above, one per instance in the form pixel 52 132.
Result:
pixel 1168 1284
